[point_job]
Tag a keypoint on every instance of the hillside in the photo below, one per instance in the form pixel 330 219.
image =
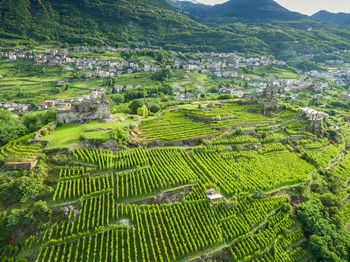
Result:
pixel 117 22
pixel 286 33
pixel 251 27
pixel 334 18
pixel 239 10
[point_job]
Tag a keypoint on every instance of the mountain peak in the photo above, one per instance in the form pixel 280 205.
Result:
pixel 243 10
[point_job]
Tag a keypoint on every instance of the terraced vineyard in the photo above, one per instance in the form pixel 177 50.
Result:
pixel 175 126
pixel 92 231
pixel 102 224
pixel 235 197
pixel 180 124
pixel 19 152
pixel 235 173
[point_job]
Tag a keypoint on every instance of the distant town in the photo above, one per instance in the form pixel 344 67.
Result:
pixel 218 65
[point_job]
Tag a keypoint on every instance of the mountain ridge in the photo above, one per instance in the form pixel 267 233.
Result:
pixel 334 18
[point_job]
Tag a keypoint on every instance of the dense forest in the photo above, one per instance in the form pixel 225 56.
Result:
pixel 178 27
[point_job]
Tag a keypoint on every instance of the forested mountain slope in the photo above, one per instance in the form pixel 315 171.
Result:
pixel 338 18
pixel 251 27
pixel 286 33
pixel 114 22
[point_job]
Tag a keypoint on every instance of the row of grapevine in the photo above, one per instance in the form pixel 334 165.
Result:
pixel 243 222
pixel 105 159
pixel 91 214
pixel 74 188
pixel 167 168
pixel 158 233
pixel 233 140
pixel 321 159
pixel 235 174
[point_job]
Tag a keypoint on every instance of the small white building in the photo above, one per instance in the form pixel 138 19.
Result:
pixel 212 195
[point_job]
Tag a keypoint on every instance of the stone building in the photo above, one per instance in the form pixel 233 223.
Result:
pixel 316 118
pixel 84 112
pixel 311 114
pixel 269 98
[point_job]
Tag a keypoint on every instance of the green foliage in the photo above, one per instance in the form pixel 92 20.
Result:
pixel 39 214
pixel 11 128
pixel 2 160
pixel 116 98
pixel 135 105
pixel 326 242
pixel 162 75
pixel 121 136
pixel 22 189
pixel 142 111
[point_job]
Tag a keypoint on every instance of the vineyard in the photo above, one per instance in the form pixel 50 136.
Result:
pixel 19 151
pixel 94 230
pixel 237 192
pixel 247 171
pixel 102 223
pixel 181 125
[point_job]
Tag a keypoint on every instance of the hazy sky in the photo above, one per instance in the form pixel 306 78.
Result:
pixel 308 7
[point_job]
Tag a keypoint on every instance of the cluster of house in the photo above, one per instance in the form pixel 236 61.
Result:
pixel 24 107
pixel 185 97
pixel 206 62
pixel 337 76
pixel 15 107
pixel 216 63
pixel 231 91
pixel 93 67
pixel 338 52
pixel 96 94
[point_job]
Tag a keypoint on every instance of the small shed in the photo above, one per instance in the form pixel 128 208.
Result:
pixel 213 195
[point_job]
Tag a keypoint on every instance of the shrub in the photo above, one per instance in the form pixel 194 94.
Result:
pixel 142 111
pixel 121 136
pixel 44 132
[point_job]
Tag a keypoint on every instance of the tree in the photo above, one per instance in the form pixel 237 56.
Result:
pixel 5 115
pixel 121 136
pixel 153 107
pixel 22 189
pixel 326 242
pixel 136 104
pixel 109 81
pixel 239 132
pixel 11 130
pixel 38 214
pixel 162 75
pixel 117 98
pixel 142 111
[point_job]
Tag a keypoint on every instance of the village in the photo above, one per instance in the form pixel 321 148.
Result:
pixel 216 65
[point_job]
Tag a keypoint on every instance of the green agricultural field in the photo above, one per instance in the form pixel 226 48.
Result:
pixel 68 135
pixel 40 86
pixel 107 55
pixel 143 79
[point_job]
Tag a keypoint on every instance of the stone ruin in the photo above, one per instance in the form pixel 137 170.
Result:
pixel 269 98
pixel 84 112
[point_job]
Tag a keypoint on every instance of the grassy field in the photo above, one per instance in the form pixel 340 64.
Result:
pixel 68 135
